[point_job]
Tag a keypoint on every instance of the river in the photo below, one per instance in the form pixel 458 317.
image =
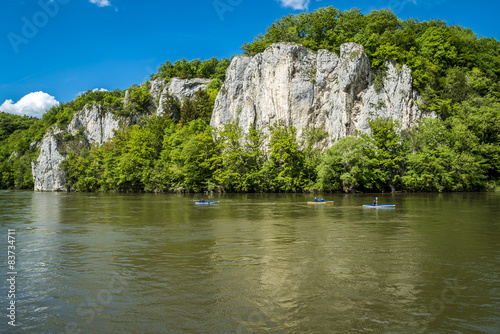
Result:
pixel 256 263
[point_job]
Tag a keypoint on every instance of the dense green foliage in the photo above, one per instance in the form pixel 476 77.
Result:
pixel 458 154
pixel 200 106
pixel 456 73
pixel 449 63
pixel 183 69
pixel 10 123
pixel 15 154
pixel 137 100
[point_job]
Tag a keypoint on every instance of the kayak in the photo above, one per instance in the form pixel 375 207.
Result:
pixel 320 202
pixel 379 206
pixel 207 202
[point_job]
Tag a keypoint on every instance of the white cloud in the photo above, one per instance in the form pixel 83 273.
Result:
pixel 33 104
pixel 94 90
pixel 296 4
pixel 101 3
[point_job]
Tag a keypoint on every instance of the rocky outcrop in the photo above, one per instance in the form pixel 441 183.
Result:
pixel 181 89
pixel 96 127
pixel 157 87
pixel 46 172
pixel 306 89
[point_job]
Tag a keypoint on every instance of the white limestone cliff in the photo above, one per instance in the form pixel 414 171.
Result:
pixel 306 89
pixel 157 87
pixel 97 127
pixel 46 172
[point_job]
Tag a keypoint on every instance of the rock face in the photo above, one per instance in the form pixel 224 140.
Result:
pixel 97 127
pixel 305 89
pixel 157 86
pixel 181 89
pixel 46 172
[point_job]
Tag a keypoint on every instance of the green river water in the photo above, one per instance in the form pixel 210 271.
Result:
pixel 257 263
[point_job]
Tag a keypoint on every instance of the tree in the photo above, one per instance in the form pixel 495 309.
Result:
pixel 285 165
pixel 197 156
pixel 139 100
pixel 171 107
pixel 200 106
pixel 345 166
pixel 384 150
pixel 253 179
pixel 208 69
pixel 444 160
pixel 313 143
pixel 229 162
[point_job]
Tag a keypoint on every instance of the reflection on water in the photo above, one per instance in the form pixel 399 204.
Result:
pixel 142 263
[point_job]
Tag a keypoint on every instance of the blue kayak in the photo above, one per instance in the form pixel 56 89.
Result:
pixel 206 202
pixel 379 206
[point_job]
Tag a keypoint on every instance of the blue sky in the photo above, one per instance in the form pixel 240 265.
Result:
pixel 51 50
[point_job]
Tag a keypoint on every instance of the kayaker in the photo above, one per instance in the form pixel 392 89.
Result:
pixel 322 199
pixel 202 200
pixel 375 201
pixel 315 199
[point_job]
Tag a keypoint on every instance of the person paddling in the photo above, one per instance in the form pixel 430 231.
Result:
pixel 315 199
pixel 375 201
